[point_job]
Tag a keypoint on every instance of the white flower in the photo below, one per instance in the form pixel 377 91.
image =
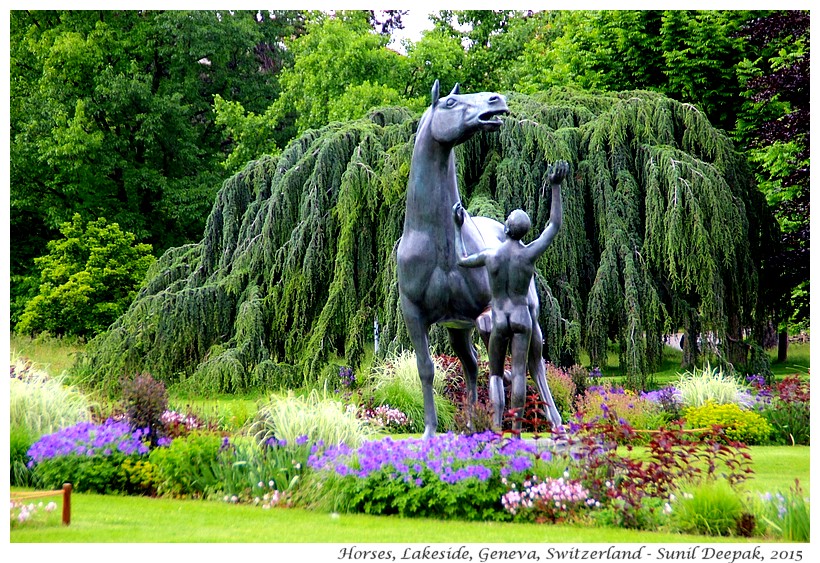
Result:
pixel 667 508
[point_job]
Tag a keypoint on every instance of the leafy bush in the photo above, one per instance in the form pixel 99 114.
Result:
pixel 792 389
pixel 790 423
pixel 87 455
pixel 87 279
pixel 738 425
pixel 711 507
pixel 20 442
pixel 141 475
pixel 396 383
pixel 700 386
pixel 446 476
pixel 290 417
pixel 41 404
pixel 186 466
pixel 145 400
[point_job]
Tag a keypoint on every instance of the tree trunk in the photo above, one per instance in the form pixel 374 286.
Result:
pixel 782 345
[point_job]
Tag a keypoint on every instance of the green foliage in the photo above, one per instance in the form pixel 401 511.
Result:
pixel 625 405
pixel 145 399
pixel 660 229
pixel 87 473
pixel 248 470
pixel 142 477
pixel 186 466
pixel 396 382
pixel 790 422
pixel 785 516
pixel 711 507
pixel 88 279
pixel 291 417
pixel 39 404
pixel 20 440
pixel 738 425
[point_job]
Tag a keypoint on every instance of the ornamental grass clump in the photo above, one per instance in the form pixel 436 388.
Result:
pixel 446 476
pixel 90 456
pixel 320 418
pixel 42 404
pixel 711 507
pixel 699 386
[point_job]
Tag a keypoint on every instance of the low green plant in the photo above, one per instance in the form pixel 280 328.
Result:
pixel 786 516
pixel 790 422
pixel 40 403
pixel 142 477
pixel 246 470
pixel 738 425
pixel 701 385
pixel 20 441
pixel 396 382
pixel 627 406
pixel 186 465
pixel 711 507
pixel 315 416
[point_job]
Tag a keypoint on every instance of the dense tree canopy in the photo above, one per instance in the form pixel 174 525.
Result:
pixel 660 229
pixel 140 116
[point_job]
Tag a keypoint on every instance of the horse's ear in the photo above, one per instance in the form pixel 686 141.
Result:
pixel 435 92
pixel 456 89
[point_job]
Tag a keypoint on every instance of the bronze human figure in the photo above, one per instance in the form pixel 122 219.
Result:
pixel 511 266
pixel 433 288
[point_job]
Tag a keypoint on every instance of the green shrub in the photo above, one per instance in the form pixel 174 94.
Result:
pixel 790 422
pixel 20 440
pixel 87 279
pixel 141 476
pixel 186 465
pixel 396 383
pixel 711 507
pixel 699 386
pixel 319 418
pixel 738 425
pixel 627 406
pixel 41 404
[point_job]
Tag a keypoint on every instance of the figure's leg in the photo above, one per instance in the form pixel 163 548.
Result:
pixel 538 372
pixel 518 394
pixel 463 347
pixel 418 330
pixel 498 354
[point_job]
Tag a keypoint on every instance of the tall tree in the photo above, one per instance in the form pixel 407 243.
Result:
pixel 775 124
pixel 111 116
pixel 661 228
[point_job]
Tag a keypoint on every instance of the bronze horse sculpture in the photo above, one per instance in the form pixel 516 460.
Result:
pixel 433 288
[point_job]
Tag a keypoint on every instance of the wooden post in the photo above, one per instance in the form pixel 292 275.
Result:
pixel 66 503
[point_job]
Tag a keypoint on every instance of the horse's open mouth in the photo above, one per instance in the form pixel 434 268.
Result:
pixel 492 119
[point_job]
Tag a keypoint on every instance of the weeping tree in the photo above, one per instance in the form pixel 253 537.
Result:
pixel 663 228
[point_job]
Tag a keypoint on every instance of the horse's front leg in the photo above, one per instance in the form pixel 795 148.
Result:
pixel 418 330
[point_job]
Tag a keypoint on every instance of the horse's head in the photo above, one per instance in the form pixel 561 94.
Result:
pixel 456 117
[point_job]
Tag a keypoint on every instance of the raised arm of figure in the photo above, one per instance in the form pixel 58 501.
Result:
pixel 468 261
pixel 537 247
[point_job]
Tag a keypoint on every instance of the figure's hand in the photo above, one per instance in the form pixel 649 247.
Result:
pixel 458 214
pixel 558 172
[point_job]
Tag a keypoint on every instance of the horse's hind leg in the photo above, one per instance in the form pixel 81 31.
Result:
pixel 538 372
pixel 424 363
pixel 460 340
